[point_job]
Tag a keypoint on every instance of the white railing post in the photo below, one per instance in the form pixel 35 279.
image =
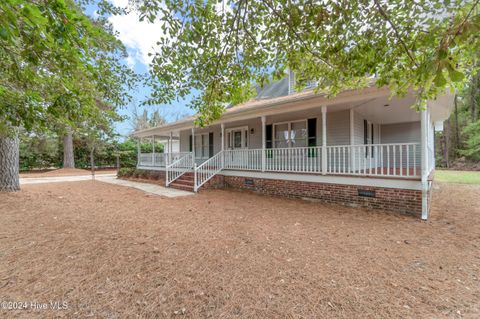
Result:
pixel 193 143
pixel 264 136
pixel 223 144
pixel 424 160
pixel 352 141
pixel 324 140
pixel 195 188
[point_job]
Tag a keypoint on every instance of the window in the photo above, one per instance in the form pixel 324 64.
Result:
pixel 201 145
pixel 281 135
pixel 298 134
pixel 290 134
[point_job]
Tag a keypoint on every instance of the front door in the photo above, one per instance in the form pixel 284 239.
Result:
pixel 237 138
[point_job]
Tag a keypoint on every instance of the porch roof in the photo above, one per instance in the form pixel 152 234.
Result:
pixel 294 102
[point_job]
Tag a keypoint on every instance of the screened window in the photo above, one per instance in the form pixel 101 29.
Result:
pixel 291 134
pixel 298 134
pixel 281 135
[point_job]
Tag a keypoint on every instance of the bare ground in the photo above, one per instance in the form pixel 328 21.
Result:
pixel 114 252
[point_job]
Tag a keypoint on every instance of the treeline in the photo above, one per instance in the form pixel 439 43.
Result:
pixel 46 151
pixel 458 146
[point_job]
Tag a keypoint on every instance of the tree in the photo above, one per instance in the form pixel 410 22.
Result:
pixel 217 49
pixel 68 158
pixel 56 64
pixel 145 120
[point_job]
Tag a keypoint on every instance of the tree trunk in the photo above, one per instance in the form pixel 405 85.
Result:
pixel 68 160
pixel 9 163
pixel 92 162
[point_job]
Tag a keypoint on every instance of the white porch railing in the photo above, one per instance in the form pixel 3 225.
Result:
pixel 397 160
pixel 244 159
pixel 159 159
pixel 207 170
pixel 394 160
pixel 295 159
pixel 178 168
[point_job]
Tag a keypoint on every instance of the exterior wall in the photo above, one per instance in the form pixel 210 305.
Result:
pixel 401 133
pixel 391 199
pixel 338 128
pixel 358 128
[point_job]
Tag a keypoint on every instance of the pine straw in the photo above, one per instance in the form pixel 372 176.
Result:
pixel 115 252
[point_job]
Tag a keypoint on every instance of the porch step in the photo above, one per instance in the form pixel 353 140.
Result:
pixel 184 182
pixel 182 187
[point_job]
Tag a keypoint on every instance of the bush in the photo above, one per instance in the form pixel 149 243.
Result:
pixel 140 173
pixel 125 172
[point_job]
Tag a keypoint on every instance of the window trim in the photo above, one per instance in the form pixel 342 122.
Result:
pixel 289 140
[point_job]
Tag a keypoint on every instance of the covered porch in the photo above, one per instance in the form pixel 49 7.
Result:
pixel 368 135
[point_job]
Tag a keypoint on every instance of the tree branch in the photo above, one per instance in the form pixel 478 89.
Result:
pixel 395 30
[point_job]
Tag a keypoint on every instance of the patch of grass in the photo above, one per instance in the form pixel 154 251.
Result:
pixel 463 177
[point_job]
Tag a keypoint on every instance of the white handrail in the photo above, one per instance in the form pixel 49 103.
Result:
pixel 205 171
pixel 178 168
pixel 159 159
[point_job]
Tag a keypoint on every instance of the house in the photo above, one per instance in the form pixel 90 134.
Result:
pixel 360 148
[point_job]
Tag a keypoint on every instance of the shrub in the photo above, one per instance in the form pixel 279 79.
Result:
pixel 140 173
pixel 125 172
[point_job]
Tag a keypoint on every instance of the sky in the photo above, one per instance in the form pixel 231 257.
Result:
pixel 140 38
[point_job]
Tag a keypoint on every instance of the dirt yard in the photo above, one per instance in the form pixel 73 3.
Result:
pixel 112 252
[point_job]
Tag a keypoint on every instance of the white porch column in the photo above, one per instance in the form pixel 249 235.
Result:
pixel 223 144
pixel 193 143
pixel 352 140
pixel 264 136
pixel 324 140
pixel 153 150
pixel 424 160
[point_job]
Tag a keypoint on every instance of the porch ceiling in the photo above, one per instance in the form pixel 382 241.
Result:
pixel 385 110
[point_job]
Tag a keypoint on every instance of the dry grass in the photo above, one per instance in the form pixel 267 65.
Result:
pixel 114 252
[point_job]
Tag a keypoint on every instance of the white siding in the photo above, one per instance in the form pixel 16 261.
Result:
pixel 403 133
pixel 338 128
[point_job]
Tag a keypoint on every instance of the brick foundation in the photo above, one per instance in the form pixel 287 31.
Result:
pixel 392 199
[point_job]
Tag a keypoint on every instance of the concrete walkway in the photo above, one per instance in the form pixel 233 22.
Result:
pixel 148 188
pixel 111 179
pixel 57 179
